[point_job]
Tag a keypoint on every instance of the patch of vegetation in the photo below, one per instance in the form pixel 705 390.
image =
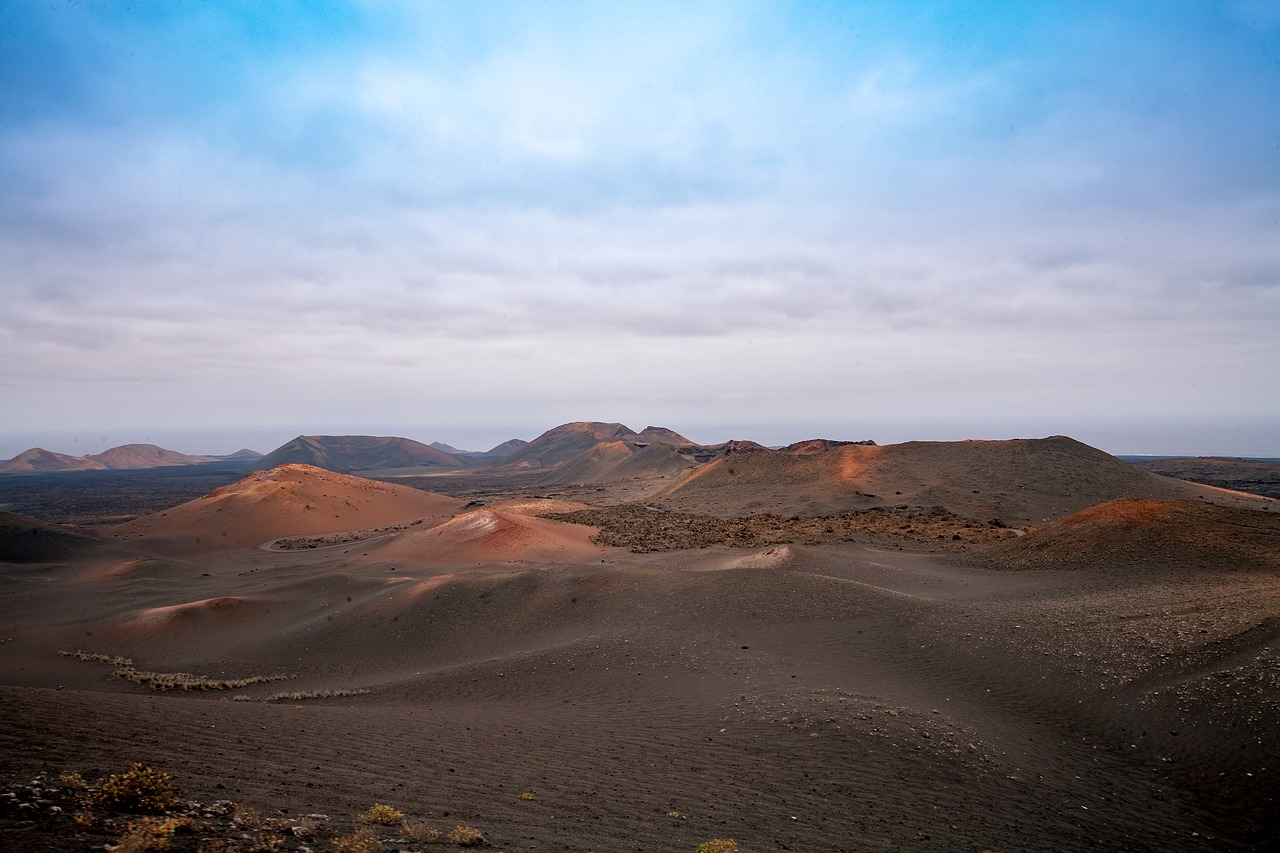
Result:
pixel 465 836
pixel 419 830
pixel 718 845
pixel 73 781
pixel 189 681
pixel 528 795
pixel 645 530
pixel 150 833
pixel 92 657
pixel 360 841
pixel 299 695
pixel 382 815
pixel 89 816
pixel 141 789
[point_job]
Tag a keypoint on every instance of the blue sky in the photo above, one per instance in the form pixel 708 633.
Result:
pixel 468 221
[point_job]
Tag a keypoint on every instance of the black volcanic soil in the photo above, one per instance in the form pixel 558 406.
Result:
pixel 95 497
pixel 1258 476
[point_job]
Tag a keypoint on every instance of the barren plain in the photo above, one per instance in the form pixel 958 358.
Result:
pixel 974 646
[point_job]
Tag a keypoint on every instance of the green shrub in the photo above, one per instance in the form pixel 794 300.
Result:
pixel 141 789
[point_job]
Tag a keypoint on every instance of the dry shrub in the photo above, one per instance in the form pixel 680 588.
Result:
pixel 419 831
pixel 299 695
pixel 718 845
pixel 265 843
pixel 188 681
pixel 249 817
pixel 141 789
pixel 465 836
pixel 73 781
pixel 382 815
pixel 149 833
pixel 361 841
pixel 528 795
pixel 93 657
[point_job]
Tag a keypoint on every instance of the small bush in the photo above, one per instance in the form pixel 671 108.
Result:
pixel 718 845
pixel 465 836
pixel 149 833
pixel 141 789
pixel 362 841
pixel 528 795
pixel 419 830
pixel 382 815
pixel 73 781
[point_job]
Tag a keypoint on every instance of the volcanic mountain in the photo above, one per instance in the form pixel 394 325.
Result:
pixel 593 452
pixel 288 500
pixel 562 443
pixel 145 456
pixel 126 456
pixel 1017 481
pixel 349 453
pixel 38 460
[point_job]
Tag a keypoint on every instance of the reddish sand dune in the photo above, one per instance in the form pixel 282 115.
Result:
pixel 1023 481
pixel 492 534
pixel 286 501
pixel 193 614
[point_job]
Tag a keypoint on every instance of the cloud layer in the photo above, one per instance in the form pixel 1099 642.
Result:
pixel 797 216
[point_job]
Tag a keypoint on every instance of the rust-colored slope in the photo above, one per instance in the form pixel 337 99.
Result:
pixel 287 500
pixel 1021 481
pixel 1125 533
pixel 493 534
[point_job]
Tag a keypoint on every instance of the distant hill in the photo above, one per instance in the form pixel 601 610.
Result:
pixel 145 456
pixel 562 443
pixel 37 460
pixel 447 448
pixel 125 457
pixel 507 447
pixel 1023 481
pixel 1259 476
pixel 349 453
pixel 501 451
pixel 243 453
pixel 664 435
pixel 594 452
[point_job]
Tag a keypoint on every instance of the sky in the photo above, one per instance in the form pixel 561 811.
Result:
pixel 225 224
